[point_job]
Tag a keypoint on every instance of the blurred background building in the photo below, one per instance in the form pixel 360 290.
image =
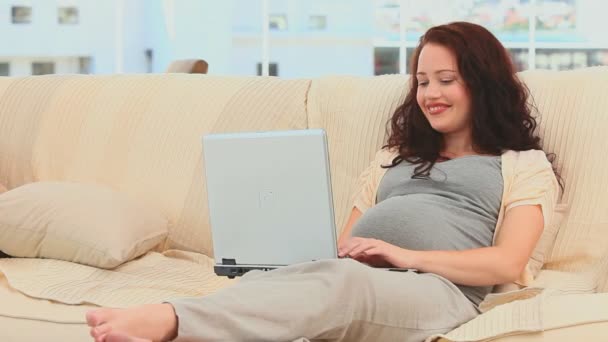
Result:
pixel 287 38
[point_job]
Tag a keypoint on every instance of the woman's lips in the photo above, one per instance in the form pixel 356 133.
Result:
pixel 437 109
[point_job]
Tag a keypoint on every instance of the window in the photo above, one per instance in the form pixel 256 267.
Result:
pixel 21 14
pixel 67 15
pixel 43 68
pixel 273 69
pixel 84 65
pixel 386 60
pixel 556 16
pixel 519 57
pixel 503 18
pixel 5 69
pixel 565 59
pixel 277 22
pixel 598 57
pixel 149 53
pixel 317 22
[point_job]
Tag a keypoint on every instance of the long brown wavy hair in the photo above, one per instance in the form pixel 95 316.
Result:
pixel 500 111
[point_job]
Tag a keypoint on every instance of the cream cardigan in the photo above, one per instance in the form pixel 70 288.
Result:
pixel 528 180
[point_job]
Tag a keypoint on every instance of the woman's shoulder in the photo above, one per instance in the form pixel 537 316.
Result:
pixel 526 162
pixel 527 156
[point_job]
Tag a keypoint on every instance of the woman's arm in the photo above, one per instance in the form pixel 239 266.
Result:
pixel 355 214
pixel 499 264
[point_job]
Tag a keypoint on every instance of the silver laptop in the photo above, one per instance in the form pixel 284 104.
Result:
pixel 270 200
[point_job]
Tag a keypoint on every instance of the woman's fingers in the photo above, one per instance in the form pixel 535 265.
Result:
pixel 361 249
pixel 352 243
pixel 356 246
pixel 372 251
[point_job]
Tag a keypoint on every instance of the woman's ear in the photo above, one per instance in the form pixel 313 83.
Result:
pixel 2 188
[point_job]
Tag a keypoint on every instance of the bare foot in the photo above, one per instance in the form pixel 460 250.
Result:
pixel 154 322
pixel 120 337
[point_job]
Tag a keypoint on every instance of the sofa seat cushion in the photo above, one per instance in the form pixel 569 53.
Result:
pixel 152 278
pixel 159 277
pixel 17 305
pixel 27 319
pixel 37 294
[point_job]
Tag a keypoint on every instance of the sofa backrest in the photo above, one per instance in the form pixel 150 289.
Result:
pixel 139 134
pixel 573 125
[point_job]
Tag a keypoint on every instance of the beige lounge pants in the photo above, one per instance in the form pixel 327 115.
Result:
pixel 333 300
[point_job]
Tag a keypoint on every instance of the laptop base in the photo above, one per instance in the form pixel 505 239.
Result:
pixel 232 271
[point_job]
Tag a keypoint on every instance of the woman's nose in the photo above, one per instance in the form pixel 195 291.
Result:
pixel 432 91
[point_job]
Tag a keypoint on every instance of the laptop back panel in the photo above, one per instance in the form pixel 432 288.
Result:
pixel 269 196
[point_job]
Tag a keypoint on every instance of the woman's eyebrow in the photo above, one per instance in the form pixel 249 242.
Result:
pixel 436 72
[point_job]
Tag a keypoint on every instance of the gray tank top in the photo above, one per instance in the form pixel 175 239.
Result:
pixel 456 209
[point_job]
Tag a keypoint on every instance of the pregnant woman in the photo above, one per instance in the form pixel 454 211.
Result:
pixel 461 193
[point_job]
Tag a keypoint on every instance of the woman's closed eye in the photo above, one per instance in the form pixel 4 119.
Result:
pixel 444 82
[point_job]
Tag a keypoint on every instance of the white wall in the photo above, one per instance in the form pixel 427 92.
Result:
pixel 227 34
pixel 190 29
pixel 132 41
pixel 345 46
pixel 94 36
pixel 317 57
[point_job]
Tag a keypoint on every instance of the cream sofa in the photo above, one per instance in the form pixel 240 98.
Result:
pixel 141 135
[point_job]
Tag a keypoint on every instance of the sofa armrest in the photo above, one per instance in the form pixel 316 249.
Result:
pixel 577 317
pixel 550 316
pixel 580 332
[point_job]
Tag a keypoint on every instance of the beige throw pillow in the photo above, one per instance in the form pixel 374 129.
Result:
pixel 83 223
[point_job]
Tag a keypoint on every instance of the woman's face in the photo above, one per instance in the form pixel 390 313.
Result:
pixel 442 94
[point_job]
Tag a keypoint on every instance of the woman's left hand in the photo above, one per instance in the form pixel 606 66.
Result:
pixel 374 252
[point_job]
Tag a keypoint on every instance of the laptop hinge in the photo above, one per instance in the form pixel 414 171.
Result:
pixel 228 261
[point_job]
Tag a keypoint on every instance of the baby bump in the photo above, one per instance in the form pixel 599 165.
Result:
pixel 411 221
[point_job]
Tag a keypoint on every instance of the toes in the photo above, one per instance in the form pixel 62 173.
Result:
pixel 93 318
pixel 101 330
pixel 97 317
pixel 101 338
